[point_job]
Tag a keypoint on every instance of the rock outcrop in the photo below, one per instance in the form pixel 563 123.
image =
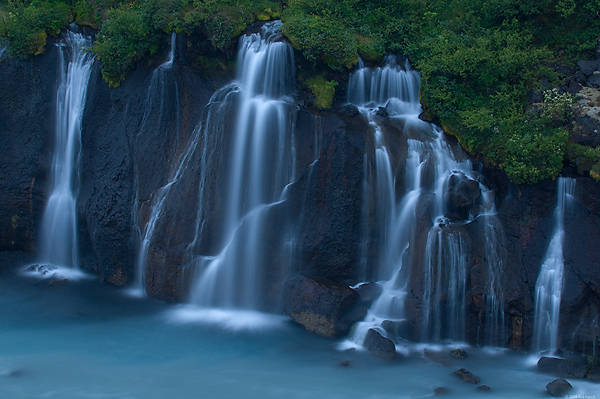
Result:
pixel 322 307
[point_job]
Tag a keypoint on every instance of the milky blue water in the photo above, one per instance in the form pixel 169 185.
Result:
pixel 84 339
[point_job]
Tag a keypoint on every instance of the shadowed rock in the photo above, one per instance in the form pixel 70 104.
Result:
pixel 321 306
pixel 379 345
pixel 466 376
pixel 562 367
pixel 559 388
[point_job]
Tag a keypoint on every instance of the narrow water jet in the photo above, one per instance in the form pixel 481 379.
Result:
pixel 162 98
pixel 549 285
pixel 59 224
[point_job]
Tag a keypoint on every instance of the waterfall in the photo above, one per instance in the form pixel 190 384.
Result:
pixel 549 285
pixel 59 223
pixel 2 50
pixel 445 277
pixel 158 117
pixel 403 186
pixel 248 143
pixel 390 86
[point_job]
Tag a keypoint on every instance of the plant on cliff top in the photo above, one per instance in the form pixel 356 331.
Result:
pixel 27 25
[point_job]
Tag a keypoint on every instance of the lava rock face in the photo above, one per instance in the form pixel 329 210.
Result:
pixel 320 306
pixel 27 125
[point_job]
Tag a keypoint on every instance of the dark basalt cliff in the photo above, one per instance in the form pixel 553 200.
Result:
pixel 132 136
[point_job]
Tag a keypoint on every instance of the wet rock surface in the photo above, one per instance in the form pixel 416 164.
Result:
pixel 321 306
pixel 466 376
pixel 562 367
pixel 559 388
pixel 379 345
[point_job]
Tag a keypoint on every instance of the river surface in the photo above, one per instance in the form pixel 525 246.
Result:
pixel 84 339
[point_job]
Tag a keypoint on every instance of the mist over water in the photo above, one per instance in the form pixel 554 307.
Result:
pixel 74 340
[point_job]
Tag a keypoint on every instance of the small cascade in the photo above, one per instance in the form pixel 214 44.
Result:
pixel 405 187
pixel 2 50
pixel 495 334
pixel 255 154
pixel 392 86
pixel 445 279
pixel 59 223
pixel 158 119
pixel 549 285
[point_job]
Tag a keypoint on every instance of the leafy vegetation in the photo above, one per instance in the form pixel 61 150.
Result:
pixel 478 60
pixel 323 90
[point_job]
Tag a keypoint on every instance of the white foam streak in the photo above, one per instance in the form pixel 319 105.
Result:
pixel 227 319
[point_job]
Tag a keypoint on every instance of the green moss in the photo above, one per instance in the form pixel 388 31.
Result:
pixel 323 90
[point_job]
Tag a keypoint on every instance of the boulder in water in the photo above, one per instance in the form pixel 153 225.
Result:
pixel 441 391
pixel 562 367
pixel 467 376
pixel 593 375
pixel 559 388
pixel 484 388
pixel 383 112
pixel 321 306
pixel 458 354
pixel 379 345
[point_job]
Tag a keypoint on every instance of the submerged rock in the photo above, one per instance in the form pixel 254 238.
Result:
pixel 558 388
pixel 458 354
pixel 483 388
pixel 379 345
pixel 321 306
pixel 562 367
pixel 441 391
pixel 593 375
pixel 467 376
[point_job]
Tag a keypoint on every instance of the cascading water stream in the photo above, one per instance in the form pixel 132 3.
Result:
pixel 549 285
pixel 157 108
pixel 429 164
pixel 59 223
pixel 257 162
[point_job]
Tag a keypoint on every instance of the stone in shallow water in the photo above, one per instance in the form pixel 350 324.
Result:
pixel 483 388
pixel 441 391
pixel 562 367
pixel 379 345
pixel 558 388
pixel 458 354
pixel 467 376
pixel 321 306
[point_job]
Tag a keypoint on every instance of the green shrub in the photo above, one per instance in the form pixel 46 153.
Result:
pixel 27 25
pixel 126 36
